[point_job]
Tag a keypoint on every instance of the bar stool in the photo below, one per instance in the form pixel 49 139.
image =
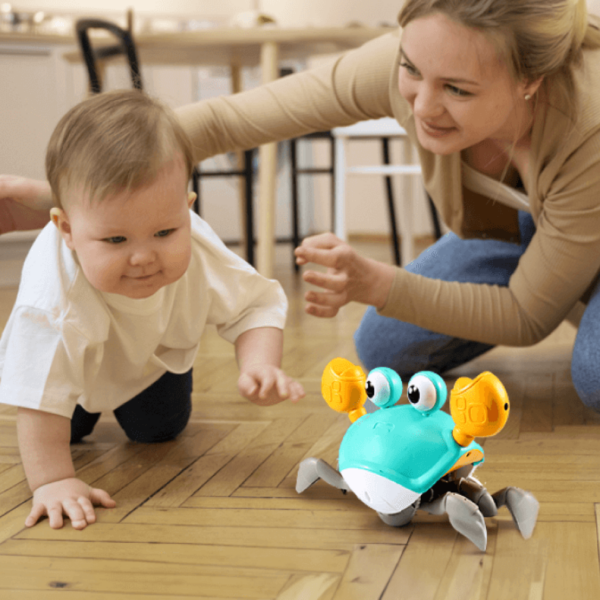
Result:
pixel 383 129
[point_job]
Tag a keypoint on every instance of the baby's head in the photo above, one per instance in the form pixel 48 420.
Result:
pixel 119 164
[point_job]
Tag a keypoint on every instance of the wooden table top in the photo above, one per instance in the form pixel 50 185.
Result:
pixel 224 46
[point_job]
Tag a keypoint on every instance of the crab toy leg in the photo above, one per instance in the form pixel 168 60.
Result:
pixel 313 469
pixel 463 514
pixel 467 507
pixel 522 506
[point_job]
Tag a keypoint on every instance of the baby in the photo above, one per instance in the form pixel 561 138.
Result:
pixel 114 297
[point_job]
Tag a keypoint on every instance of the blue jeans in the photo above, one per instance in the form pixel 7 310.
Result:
pixel 157 414
pixel 406 348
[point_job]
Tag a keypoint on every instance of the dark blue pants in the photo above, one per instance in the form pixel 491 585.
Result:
pixel 158 414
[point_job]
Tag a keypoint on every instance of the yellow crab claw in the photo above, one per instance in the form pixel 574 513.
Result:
pixel 479 407
pixel 343 387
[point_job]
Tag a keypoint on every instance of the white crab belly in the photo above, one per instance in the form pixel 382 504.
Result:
pixel 377 492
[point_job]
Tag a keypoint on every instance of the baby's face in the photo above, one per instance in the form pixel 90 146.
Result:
pixel 133 243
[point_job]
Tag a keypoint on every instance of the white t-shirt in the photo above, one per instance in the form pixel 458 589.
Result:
pixel 66 343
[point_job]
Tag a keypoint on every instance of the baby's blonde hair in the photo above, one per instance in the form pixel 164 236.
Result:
pixel 112 142
pixel 536 38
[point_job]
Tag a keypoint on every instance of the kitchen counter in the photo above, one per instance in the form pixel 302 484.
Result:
pixel 7 37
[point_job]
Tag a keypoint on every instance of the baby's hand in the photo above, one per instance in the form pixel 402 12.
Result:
pixel 71 497
pixel 266 385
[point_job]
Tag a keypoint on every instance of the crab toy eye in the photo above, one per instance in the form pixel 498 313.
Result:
pixel 383 387
pixel 427 392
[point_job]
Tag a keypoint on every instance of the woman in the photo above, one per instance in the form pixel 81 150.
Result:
pixel 502 100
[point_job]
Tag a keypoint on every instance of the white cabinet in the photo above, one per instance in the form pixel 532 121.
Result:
pixel 30 101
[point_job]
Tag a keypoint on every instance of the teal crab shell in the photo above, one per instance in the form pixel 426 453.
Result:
pixel 408 447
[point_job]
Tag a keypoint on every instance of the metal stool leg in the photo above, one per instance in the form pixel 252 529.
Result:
pixel 249 179
pixel 196 189
pixel 333 177
pixel 435 219
pixel 390 196
pixel 294 170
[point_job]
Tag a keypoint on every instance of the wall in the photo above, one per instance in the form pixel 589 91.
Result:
pixel 331 13
pixel 289 13
pixel 204 8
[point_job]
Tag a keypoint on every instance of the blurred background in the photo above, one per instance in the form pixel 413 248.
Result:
pixel 38 86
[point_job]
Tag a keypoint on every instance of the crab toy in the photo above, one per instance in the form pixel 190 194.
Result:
pixel 403 458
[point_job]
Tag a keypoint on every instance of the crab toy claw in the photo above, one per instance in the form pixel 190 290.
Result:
pixel 479 407
pixel 343 387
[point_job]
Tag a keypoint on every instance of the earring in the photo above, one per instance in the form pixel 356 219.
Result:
pixel 527 97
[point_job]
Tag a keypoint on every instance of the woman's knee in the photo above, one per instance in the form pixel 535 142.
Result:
pixel 385 342
pixel 586 378
pixel 378 340
pixel 586 355
pixel 408 349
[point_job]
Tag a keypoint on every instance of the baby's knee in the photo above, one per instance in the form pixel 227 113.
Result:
pixel 154 431
pixel 154 435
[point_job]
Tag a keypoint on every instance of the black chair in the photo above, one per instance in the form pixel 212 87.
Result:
pixel 125 46
pixel 93 56
pixel 247 173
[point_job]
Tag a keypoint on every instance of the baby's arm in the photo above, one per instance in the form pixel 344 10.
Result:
pixel 261 380
pixel 44 444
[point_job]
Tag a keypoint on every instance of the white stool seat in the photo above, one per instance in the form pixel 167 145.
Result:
pixel 382 128
pixel 385 127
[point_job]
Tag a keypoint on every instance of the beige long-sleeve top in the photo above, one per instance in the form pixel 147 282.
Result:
pixel 561 262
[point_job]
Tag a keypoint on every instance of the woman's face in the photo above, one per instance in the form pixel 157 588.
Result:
pixel 460 91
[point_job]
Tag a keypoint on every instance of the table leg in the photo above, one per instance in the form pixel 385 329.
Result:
pixel 406 207
pixel 267 176
pixel 236 86
pixel 339 214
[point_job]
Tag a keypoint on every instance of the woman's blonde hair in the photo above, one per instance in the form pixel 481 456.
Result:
pixel 112 142
pixel 537 38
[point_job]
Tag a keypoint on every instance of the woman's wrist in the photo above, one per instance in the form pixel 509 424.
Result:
pixel 382 279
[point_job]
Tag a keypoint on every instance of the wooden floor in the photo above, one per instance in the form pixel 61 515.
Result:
pixel 214 514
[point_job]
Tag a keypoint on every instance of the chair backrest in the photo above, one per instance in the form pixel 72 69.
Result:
pixel 124 46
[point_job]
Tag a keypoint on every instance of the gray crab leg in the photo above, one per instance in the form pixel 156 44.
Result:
pixel 463 514
pixel 313 469
pixel 474 491
pixel 523 508
pixel 403 517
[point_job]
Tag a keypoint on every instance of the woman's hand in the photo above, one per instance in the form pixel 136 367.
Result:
pixel 71 497
pixel 349 276
pixel 24 203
